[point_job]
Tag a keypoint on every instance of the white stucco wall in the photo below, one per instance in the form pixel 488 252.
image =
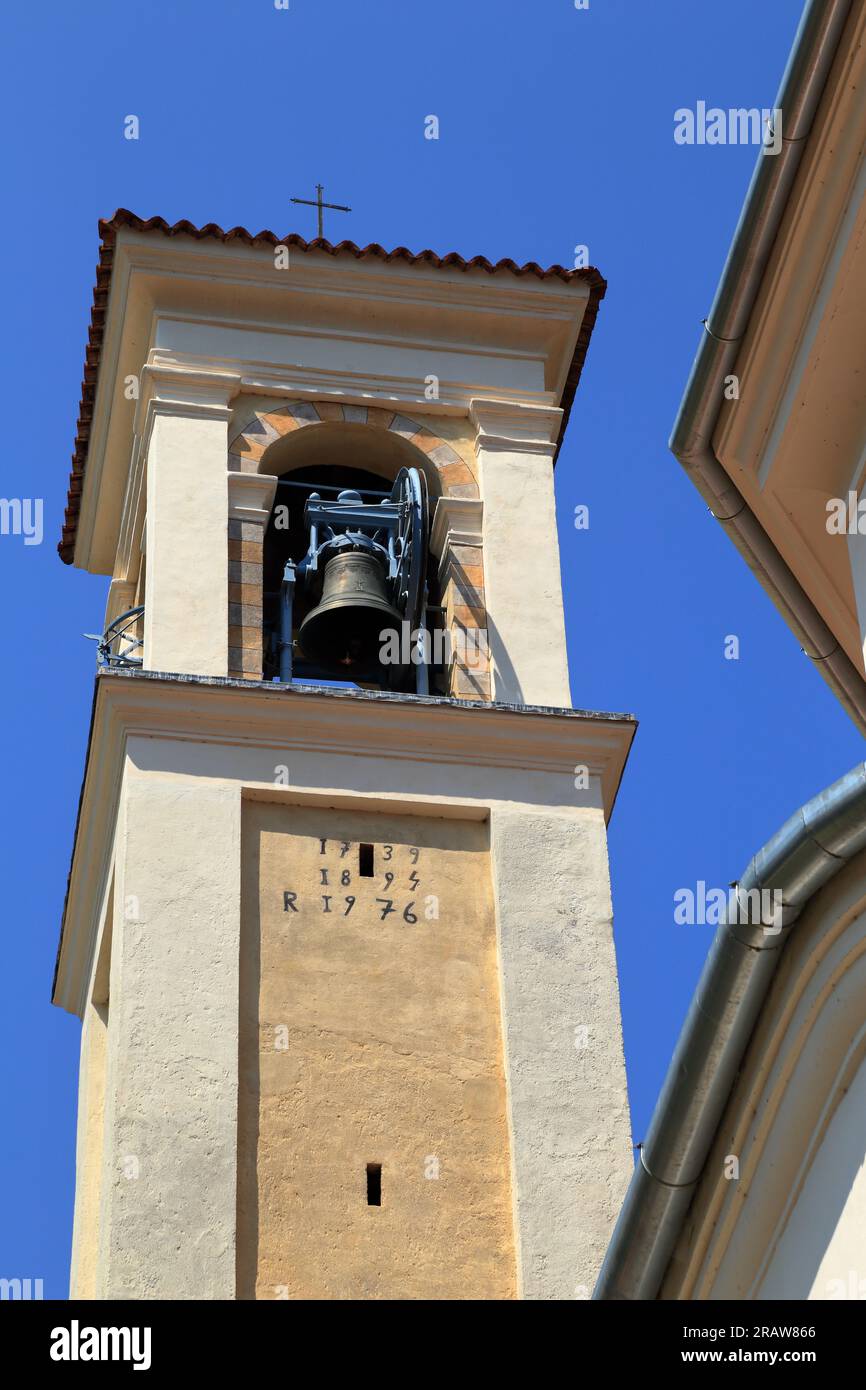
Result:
pixel 186 586
pixel 525 619
pixel 823 1246
pixel 791 1225
pixel 571 1144
pixel 167 1221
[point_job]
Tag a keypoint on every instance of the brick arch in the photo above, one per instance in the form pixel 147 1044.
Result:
pixel 247 447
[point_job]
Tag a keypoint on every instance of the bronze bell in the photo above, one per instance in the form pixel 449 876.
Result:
pixel 342 632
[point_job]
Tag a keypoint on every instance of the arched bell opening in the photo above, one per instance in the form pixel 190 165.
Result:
pixel 285 441
pixel 337 570
pixel 364 447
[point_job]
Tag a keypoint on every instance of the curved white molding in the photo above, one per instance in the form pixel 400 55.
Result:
pixel 808 1045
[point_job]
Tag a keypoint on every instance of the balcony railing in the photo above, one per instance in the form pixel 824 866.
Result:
pixel 120 644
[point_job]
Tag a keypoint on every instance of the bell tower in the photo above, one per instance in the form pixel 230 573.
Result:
pixel 338 924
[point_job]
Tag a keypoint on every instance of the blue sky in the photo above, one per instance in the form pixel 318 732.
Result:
pixel 556 129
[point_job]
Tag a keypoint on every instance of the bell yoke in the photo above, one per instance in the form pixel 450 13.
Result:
pixel 366 569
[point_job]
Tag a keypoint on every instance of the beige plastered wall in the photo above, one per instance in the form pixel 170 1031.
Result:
pixel 370 1033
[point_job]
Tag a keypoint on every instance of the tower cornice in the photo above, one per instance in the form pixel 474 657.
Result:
pixel 465 755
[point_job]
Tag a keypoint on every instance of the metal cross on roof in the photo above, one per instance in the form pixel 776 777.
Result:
pixel 320 204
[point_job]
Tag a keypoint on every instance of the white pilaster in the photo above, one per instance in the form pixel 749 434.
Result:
pixel 565 1069
pixel 526 628
pixel 169 1200
pixel 186 588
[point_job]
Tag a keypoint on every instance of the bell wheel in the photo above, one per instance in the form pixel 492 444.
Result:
pixel 410 545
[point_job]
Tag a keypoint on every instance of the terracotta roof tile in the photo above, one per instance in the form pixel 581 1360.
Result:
pixel 109 227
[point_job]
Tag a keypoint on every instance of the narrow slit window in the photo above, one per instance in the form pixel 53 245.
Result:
pixel 374 1184
pixel 365 861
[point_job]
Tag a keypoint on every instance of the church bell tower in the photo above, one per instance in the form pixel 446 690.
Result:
pixel 338 924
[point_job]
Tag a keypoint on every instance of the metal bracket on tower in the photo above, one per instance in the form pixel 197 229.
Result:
pixel 287 598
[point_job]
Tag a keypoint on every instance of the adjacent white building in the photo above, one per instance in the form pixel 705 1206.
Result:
pixel 751 1183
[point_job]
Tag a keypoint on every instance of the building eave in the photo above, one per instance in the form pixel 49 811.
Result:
pixel 694 437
